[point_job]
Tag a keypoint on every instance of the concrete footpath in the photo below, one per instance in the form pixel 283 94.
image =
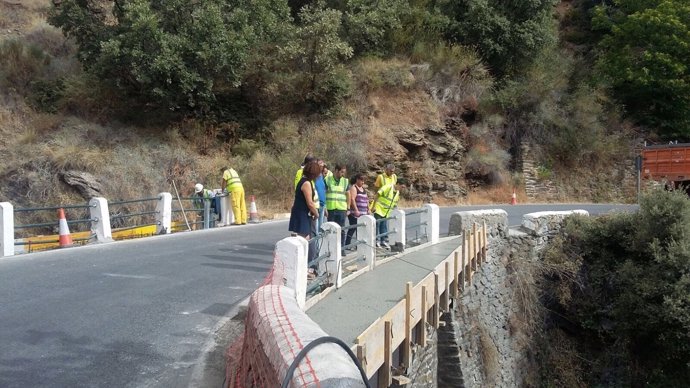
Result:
pixel 348 311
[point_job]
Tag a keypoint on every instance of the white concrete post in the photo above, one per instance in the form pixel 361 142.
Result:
pixel 396 227
pixel 226 216
pixel 6 229
pixel 291 253
pixel 164 213
pixel 367 234
pixel 100 226
pixel 432 219
pixel 332 243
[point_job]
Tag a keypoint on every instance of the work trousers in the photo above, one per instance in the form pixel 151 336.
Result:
pixel 381 228
pixel 239 207
pixel 351 232
pixel 321 219
pixel 338 216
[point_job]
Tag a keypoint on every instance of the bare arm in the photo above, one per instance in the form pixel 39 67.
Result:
pixel 352 193
pixel 306 190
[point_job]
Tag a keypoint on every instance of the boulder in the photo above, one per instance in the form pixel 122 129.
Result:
pixel 86 184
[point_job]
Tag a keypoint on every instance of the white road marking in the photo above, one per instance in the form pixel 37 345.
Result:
pixel 119 275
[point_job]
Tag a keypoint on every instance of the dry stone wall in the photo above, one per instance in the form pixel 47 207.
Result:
pixel 494 318
pixel 423 371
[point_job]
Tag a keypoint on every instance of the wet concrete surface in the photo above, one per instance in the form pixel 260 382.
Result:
pixel 347 312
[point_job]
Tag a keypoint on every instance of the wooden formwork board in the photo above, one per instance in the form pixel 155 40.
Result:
pixel 374 347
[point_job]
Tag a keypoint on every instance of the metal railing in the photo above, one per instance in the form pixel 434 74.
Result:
pixel 202 217
pixel 132 217
pixel 416 230
pixel 315 258
pixel 56 221
pixel 40 229
pixel 354 243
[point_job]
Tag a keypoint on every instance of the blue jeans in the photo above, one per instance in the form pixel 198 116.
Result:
pixel 338 216
pixel 381 228
pixel 320 220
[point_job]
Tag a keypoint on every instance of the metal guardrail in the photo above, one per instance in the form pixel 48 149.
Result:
pixel 118 219
pixel 54 223
pixel 322 280
pixel 208 219
pixel 415 211
pixel 416 232
pixel 112 203
pixel 31 209
pixel 51 224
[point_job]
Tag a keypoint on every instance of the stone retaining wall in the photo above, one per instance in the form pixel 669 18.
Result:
pixel 496 221
pixel 494 318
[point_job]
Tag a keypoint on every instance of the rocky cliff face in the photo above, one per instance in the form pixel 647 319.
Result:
pixel 428 153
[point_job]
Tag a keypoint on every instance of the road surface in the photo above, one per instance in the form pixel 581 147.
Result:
pixel 142 313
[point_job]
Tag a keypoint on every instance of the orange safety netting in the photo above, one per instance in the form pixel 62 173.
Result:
pixel 261 356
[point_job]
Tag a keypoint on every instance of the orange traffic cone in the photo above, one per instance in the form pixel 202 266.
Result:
pixel 513 199
pixel 65 237
pixel 253 214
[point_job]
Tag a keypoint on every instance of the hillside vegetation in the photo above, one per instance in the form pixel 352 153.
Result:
pixel 618 299
pixel 143 94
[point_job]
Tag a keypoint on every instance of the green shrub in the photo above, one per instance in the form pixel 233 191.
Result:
pixel 45 95
pixel 630 298
pixel 20 64
pixel 375 73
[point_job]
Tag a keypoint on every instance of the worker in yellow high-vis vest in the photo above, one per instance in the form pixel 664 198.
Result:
pixel 387 177
pixel 233 184
pixel 386 200
pixel 338 197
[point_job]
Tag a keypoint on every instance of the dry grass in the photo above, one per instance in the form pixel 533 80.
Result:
pixel 500 194
pixel 490 357
pixel 18 16
pixel 563 364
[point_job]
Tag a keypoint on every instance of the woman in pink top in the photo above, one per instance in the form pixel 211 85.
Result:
pixel 359 204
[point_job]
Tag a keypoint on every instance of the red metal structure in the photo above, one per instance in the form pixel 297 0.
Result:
pixel 668 163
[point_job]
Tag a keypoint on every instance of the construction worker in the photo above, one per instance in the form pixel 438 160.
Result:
pixel 233 185
pixel 337 197
pixel 201 195
pixel 387 177
pixel 386 200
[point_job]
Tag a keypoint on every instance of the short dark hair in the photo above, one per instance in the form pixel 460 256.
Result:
pixel 339 166
pixel 311 170
pixel 307 159
pixel 357 177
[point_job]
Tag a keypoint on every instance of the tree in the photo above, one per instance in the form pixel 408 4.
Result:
pixel 319 53
pixel 175 54
pixel 508 34
pixel 645 60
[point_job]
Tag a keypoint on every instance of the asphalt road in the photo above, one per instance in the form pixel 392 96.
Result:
pixel 141 313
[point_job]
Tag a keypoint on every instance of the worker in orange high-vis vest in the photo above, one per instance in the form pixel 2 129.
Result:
pixel 233 184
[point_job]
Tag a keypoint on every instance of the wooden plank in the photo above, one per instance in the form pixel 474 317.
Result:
pixel 385 371
pixel 371 341
pixel 422 323
pixel 456 273
pixel 485 245
pixel 362 355
pixel 416 304
pixel 446 301
pixel 396 316
pixel 406 350
pixel 473 237
pixel 463 259
pixel 470 271
pixel 437 302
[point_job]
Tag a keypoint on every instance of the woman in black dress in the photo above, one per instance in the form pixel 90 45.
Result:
pixel 304 212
